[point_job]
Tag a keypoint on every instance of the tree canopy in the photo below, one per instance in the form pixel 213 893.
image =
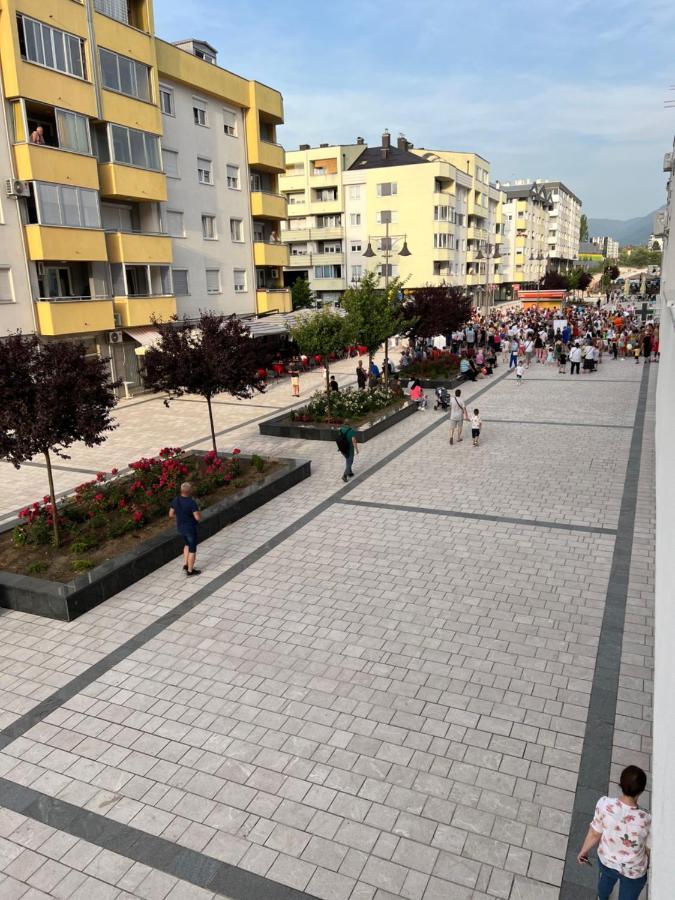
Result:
pixel 373 314
pixel 301 294
pixel 431 311
pixel 583 228
pixel 52 395
pixel 212 357
pixel 323 334
pixel 639 257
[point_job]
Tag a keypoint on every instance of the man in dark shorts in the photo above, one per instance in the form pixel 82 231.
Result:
pixel 185 511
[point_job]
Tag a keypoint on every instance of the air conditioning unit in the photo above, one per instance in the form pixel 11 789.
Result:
pixel 115 337
pixel 15 188
pixel 668 162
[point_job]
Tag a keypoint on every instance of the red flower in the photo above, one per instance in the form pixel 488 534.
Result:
pixel 122 503
pixel 236 451
pixel 46 499
pixel 138 516
pixel 114 471
pixel 100 476
pixel 99 497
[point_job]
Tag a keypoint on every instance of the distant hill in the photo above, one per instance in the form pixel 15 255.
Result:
pixel 625 231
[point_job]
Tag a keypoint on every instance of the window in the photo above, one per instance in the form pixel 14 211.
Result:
pixel 239 281
pixel 73 131
pixel 328 271
pixel 386 217
pixel 59 204
pixel 51 47
pixel 170 161
pixel 357 273
pixel 441 213
pixel 385 243
pixel 135 148
pixel 237 230
pixel 391 271
pixel 354 218
pixel 233 177
pixel 387 189
pixel 6 291
pixel 295 197
pixel 230 122
pixel 199 112
pixel 180 282
pixel 328 221
pixel 441 241
pixel 209 228
pixel 174 223
pixel 356 248
pixel 213 281
pixel 355 192
pixel 204 171
pixel 124 75
pixel 116 9
pixel 166 100
pixel 207 57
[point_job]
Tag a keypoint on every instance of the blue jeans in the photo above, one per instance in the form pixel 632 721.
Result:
pixel 349 459
pixel 629 888
pixel 513 360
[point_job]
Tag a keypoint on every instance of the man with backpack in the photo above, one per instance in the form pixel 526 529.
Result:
pixel 347 444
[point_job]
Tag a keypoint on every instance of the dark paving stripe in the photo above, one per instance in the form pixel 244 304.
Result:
pixel 240 404
pixel 156 852
pixel 43 709
pixel 582 379
pixel 596 755
pixel 59 468
pixel 537 422
pixel 479 517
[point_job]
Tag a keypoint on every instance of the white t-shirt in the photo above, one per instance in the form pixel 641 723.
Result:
pixel 456 409
pixel 575 354
pixel 625 836
pixel 519 370
pixel 476 422
pixel 529 347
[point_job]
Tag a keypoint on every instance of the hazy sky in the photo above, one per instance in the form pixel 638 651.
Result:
pixel 561 89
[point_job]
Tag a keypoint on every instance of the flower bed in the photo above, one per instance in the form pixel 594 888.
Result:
pixel 440 368
pixel 114 512
pixel 348 405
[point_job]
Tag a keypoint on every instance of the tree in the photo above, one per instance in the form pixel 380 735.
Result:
pixel 585 279
pixel 639 257
pixel 216 356
pixel 51 396
pixel 555 281
pixel 583 228
pixel 322 334
pixel 373 314
pixel 435 310
pixel 301 295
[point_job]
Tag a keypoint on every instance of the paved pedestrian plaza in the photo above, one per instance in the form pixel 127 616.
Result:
pixel 414 685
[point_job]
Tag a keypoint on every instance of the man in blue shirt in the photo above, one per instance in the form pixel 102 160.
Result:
pixel 374 372
pixel 185 511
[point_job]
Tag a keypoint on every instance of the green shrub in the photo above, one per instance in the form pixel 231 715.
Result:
pixel 238 482
pixel 117 529
pixel 37 567
pixel 81 546
pixel 257 462
pixel 82 565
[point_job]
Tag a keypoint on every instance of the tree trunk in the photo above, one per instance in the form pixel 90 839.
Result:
pixel 327 388
pixel 52 497
pixel 370 363
pixel 213 431
pixel 386 362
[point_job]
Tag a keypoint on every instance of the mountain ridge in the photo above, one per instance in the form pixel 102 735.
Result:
pixel 625 231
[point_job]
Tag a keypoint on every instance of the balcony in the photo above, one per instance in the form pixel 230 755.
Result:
pixel 267 156
pixel 47 242
pixel 66 316
pixel 265 205
pixel 40 162
pixel 125 38
pixel 272 253
pixel 520 240
pixel 328 259
pixel 122 182
pixel 132 112
pixel 327 233
pixel 325 207
pixel 328 284
pixel 144 310
pixel 474 233
pixel 273 300
pixel 135 247
pixel 292 235
pixel 327 180
pixel 300 260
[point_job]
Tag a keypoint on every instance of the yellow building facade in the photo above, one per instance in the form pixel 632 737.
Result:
pixel 349 200
pixel 83 115
pixel 526 214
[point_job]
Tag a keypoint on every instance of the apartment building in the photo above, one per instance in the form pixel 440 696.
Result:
pixel 607 246
pixel 315 230
pixel 526 218
pixel 426 216
pixel 91 247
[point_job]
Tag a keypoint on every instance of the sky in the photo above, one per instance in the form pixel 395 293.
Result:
pixel 569 90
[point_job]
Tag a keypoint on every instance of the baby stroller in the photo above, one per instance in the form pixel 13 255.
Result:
pixel 442 398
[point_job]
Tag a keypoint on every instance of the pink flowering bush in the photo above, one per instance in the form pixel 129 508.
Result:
pixel 113 504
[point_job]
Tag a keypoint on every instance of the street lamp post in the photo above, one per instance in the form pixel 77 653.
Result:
pixel 387 253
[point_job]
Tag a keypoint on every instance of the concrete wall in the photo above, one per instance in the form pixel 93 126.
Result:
pixel 663 795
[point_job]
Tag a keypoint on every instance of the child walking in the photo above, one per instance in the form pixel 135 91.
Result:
pixel 476 425
pixel 520 371
pixel 562 362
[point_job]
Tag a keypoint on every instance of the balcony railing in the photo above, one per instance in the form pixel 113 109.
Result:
pixel 74 297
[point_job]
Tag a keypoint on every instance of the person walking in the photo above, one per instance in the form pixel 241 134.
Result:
pixel 515 346
pixel 185 511
pixel 529 351
pixel 476 425
pixel 361 376
pixel 575 359
pixel 295 382
pixel 347 445
pixel 622 832
pixel 458 415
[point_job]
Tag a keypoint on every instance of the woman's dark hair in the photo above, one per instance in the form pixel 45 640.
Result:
pixel 633 781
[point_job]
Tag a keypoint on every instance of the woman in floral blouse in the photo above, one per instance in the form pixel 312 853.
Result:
pixel 622 831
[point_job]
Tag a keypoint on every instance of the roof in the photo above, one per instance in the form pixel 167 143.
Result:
pixel 531 190
pixel 372 158
pixel 197 41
